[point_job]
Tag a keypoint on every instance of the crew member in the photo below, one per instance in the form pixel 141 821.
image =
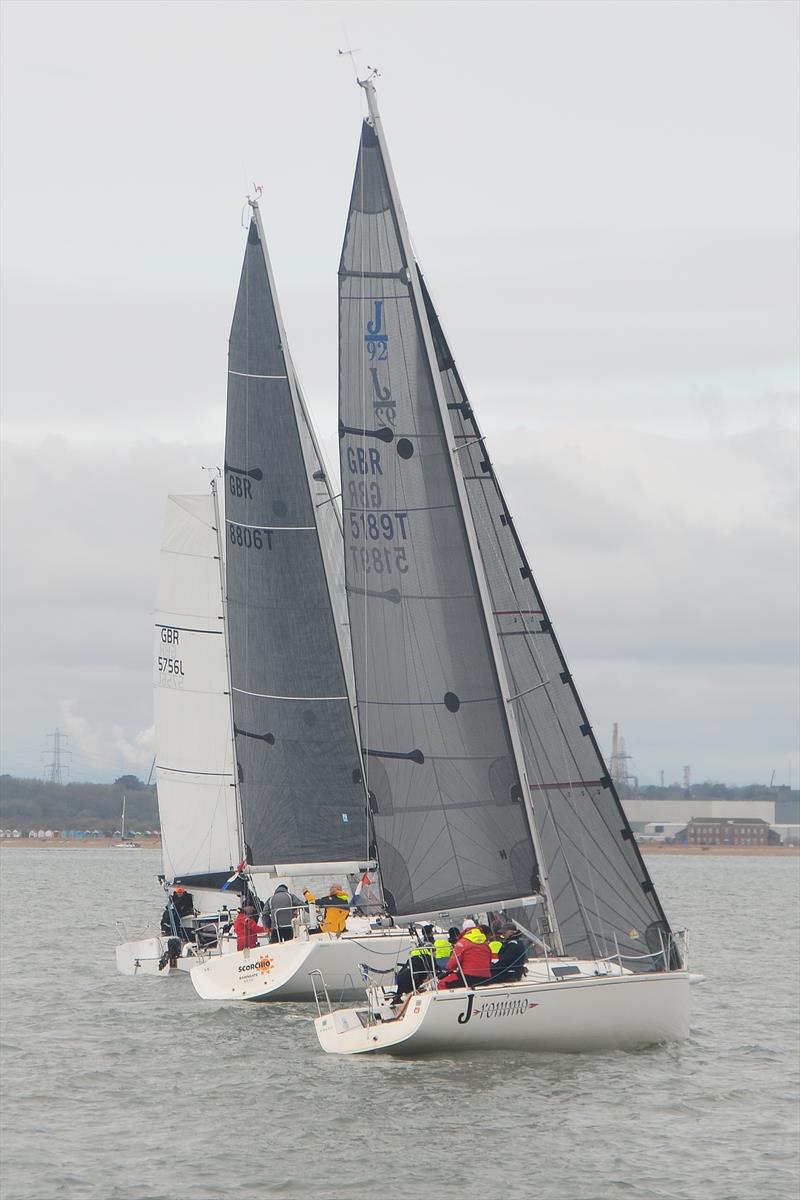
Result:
pixel 442 949
pixel 279 910
pixel 471 960
pixel 247 929
pixel 337 906
pixel 179 905
pixel 512 957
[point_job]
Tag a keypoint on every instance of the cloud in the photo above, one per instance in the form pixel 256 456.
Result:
pixel 105 745
pixel 618 281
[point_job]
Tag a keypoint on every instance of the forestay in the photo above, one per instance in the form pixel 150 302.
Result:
pixel 599 887
pixel 447 804
pixel 194 752
pixel 301 789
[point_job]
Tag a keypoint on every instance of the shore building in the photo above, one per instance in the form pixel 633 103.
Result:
pixel 727 831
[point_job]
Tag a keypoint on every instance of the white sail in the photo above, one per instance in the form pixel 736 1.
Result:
pixel 194 744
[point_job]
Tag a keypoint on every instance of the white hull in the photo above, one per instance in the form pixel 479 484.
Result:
pixel 142 957
pixel 282 971
pixel 613 1012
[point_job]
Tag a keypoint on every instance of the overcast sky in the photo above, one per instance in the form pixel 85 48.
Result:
pixel 604 197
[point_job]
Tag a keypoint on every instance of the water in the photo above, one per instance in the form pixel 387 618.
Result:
pixel 121 1088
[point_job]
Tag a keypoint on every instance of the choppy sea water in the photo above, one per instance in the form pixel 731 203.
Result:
pixel 118 1088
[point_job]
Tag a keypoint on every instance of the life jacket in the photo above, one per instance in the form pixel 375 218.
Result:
pixel 335 918
pixel 472 952
pixel 442 948
pixel 476 936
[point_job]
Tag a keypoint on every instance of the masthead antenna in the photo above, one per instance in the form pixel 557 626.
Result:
pixel 374 73
pixel 252 200
pixel 372 96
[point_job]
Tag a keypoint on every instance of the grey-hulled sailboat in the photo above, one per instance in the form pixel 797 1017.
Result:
pixel 488 789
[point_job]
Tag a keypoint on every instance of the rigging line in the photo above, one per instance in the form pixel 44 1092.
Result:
pixel 267 696
pixel 189 771
pixel 431 703
pixel 188 629
pixel 249 375
pixel 466 445
pixel 274 528
pixel 407 508
pixel 528 691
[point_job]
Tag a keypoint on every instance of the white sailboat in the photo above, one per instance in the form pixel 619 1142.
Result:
pixel 125 843
pixel 201 841
pixel 299 770
pixel 489 791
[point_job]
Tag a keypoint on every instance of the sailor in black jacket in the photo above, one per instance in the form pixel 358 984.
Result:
pixel 513 955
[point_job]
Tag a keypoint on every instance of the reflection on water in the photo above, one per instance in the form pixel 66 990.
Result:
pixel 119 1088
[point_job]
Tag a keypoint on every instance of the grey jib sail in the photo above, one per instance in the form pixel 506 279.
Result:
pixel 299 768
pixel 447 805
pixel 599 886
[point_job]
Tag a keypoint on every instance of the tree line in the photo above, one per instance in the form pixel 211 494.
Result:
pixel 36 804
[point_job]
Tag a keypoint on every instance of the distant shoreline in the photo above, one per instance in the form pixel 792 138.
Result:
pixel 89 843
pixel 737 851
pixel 646 848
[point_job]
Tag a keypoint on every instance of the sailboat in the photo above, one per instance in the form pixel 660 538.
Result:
pixel 201 838
pixel 125 843
pixel 300 777
pixel 489 793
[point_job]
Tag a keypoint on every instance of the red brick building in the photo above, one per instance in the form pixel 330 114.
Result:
pixel 727 831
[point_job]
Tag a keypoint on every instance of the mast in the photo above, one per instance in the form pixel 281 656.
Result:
pixel 416 291
pixel 224 603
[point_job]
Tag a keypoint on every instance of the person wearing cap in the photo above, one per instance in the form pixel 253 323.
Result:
pixel 179 905
pixel 511 958
pixel 247 928
pixel 471 960
pixel 421 965
pixel 279 910
pixel 337 906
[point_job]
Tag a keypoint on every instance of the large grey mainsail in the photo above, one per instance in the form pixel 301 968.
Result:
pixel 301 788
pixel 448 812
pixel 600 890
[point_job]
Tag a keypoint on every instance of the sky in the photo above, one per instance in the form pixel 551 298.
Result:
pixel 604 198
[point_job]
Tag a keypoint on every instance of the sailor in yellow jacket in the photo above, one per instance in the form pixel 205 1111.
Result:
pixel 337 907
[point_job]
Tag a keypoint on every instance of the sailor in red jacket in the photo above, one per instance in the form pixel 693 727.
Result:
pixel 471 959
pixel 247 929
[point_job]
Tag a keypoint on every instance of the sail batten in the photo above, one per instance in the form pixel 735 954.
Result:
pixel 300 777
